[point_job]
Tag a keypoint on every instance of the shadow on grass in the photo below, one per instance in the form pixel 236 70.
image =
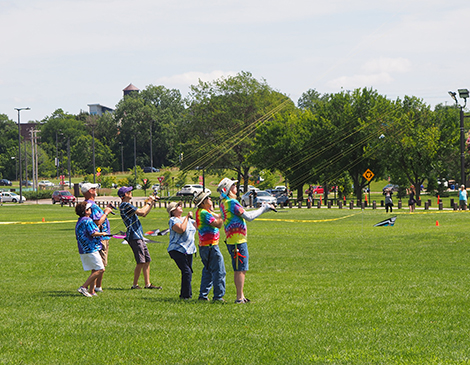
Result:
pixel 63 293
pixel 181 301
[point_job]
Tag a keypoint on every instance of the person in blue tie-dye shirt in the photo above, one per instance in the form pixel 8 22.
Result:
pixel 89 243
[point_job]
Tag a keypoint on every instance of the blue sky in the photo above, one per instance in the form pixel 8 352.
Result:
pixel 70 53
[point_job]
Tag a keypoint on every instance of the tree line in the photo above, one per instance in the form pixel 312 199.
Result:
pixel 242 124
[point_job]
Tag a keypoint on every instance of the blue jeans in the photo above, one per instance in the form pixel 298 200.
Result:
pixel 213 273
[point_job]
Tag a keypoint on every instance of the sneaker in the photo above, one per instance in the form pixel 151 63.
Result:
pixel 204 299
pixel 240 301
pixel 98 289
pixel 151 286
pixel 246 300
pixel 83 291
pixel 135 287
pixel 94 294
pixel 220 301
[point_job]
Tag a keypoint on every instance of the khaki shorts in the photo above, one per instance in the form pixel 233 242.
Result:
pixel 104 252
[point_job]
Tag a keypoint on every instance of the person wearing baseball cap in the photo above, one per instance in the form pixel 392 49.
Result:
pixel 234 217
pixel 100 218
pixel 88 236
pixel 213 272
pixel 181 247
pixel 135 235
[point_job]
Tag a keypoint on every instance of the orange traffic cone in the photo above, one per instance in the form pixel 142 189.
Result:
pixel 43 219
pixel 437 223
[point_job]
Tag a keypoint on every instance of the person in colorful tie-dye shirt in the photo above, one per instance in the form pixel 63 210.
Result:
pixel 213 272
pixel 235 217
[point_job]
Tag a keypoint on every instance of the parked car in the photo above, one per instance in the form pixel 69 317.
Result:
pixel 250 188
pixel 26 183
pixel 5 182
pixel 62 197
pixel 392 187
pixel 12 197
pixel 87 182
pixel 45 183
pixel 151 169
pixel 262 196
pixel 192 190
pixel 66 183
pixel 278 189
pixel 281 199
pixel 316 190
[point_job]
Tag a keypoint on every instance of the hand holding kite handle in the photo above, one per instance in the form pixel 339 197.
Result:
pixel 112 207
pixel 270 207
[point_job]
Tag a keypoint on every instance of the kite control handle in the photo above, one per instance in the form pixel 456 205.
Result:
pixel 110 205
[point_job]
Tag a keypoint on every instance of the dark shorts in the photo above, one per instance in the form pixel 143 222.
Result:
pixel 239 261
pixel 141 252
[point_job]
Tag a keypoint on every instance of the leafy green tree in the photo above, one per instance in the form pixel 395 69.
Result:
pixel 328 136
pixel 146 184
pixel 167 113
pixel 136 177
pixel 222 121
pixel 350 126
pixel 420 144
pixel 8 147
pixel 133 118
pixel 280 145
pixel 82 154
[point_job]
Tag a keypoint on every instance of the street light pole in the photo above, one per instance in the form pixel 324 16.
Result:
pixel 122 156
pixel 463 93
pixel 151 152
pixel 19 148
pixel 462 148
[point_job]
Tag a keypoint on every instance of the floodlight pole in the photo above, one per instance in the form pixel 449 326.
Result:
pixel 463 93
pixel 19 149
pixel 462 147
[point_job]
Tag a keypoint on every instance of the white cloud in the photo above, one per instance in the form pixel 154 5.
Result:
pixel 387 65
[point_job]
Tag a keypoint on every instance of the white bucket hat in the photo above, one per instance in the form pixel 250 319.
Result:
pixel 225 184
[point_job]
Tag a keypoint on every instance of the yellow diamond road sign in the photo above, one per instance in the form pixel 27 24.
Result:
pixel 368 175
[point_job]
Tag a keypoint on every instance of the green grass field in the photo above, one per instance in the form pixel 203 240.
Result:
pixel 326 288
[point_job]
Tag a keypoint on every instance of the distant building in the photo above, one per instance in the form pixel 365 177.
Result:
pixel 130 89
pixel 98 109
pixel 26 128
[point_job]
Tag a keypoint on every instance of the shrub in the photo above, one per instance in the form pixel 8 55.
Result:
pixel 36 195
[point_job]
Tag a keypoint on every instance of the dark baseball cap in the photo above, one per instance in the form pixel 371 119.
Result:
pixel 125 189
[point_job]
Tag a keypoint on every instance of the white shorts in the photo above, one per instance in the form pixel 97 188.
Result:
pixel 92 261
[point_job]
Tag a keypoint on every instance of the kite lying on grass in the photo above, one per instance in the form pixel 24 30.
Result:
pixel 387 222
pixel 157 232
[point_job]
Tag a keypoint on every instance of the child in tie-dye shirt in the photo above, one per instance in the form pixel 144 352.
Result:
pixel 213 272
pixel 235 218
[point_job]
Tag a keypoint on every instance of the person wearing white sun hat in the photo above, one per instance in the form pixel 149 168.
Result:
pixel 235 217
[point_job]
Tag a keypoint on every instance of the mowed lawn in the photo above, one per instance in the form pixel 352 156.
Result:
pixel 325 287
